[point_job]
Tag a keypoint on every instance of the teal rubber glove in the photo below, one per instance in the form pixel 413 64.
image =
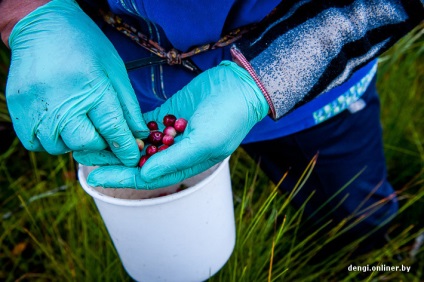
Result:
pixel 68 89
pixel 221 106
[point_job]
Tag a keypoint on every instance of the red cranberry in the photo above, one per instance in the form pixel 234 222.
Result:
pixel 163 147
pixel 169 120
pixel 155 137
pixel 151 149
pixel 152 125
pixel 170 130
pixel 143 159
pixel 168 140
pixel 180 125
pixel 140 144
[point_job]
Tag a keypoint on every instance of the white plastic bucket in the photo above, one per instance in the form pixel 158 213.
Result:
pixel 184 236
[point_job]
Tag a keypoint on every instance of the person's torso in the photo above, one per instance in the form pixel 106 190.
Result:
pixel 184 25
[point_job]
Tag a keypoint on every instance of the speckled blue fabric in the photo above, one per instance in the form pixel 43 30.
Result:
pixel 316 45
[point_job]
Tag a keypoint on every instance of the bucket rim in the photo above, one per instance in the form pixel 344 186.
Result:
pixel 149 201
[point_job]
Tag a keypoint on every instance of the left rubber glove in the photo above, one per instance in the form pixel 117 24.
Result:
pixel 68 88
pixel 221 106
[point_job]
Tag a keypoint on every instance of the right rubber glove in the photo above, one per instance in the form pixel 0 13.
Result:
pixel 68 88
pixel 221 105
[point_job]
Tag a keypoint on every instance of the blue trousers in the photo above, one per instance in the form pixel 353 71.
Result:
pixel 350 149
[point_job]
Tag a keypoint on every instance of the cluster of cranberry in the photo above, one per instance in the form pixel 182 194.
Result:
pixel 159 141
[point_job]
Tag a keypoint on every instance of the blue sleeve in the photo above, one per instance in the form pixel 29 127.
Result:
pixel 311 47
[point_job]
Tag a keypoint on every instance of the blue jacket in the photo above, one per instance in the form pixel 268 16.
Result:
pixel 313 58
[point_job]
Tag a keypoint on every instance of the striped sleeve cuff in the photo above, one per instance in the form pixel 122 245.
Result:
pixel 311 47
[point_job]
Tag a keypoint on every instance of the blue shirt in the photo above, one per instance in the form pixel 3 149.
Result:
pixel 185 24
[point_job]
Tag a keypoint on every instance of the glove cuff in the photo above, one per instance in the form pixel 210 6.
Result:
pixel 34 15
pixel 241 61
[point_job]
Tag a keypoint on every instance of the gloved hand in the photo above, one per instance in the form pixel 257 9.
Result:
pixel 221 106
pixel 68 88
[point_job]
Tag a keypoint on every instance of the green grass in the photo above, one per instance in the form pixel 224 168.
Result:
pixel 51 230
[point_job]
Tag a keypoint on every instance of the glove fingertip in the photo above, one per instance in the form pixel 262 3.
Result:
pixel 142 133
pixel 93 180
pixel 129 155
pixel 147 175
pixel 131 162
pixel 150 172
